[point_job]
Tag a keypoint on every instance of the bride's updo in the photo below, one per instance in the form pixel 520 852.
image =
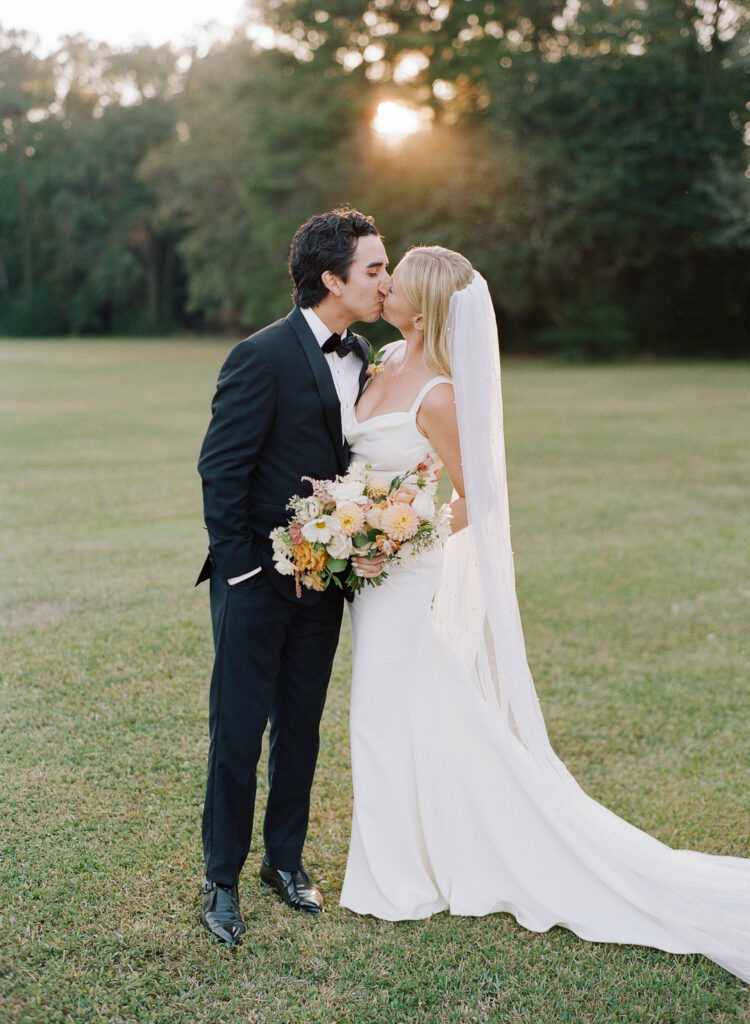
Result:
pixel 429 275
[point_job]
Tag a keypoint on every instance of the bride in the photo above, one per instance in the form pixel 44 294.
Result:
pixel 460 803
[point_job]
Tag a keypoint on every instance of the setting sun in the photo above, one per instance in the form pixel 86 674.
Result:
pixel 395 121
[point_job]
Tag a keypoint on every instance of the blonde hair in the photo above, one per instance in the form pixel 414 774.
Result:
pixel 429 275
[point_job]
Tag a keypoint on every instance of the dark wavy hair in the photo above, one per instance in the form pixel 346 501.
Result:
pixel 325 242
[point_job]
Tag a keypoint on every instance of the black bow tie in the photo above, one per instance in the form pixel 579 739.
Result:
pixel 341 346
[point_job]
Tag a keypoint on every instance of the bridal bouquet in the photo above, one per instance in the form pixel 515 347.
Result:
pixel 360 513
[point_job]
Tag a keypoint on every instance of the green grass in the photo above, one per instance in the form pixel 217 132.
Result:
pixel 630 488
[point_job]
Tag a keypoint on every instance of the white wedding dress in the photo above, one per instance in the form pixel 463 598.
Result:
pixel 455 809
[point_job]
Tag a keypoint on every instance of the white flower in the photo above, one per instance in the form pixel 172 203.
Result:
pixel 310 508
pixel 357 471
pixel 283 565
pixel 280 541
pixel 423 505
pixel 339 546
pixel 442 523
pixel 406 550
pixel 320 530
pixel 348 489
pixel 374 515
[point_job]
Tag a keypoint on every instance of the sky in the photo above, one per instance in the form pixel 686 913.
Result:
pixel 120 24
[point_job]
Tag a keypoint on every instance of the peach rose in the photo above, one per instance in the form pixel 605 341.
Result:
pixel 404 493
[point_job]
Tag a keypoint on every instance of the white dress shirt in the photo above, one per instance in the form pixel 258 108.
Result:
pixel 345 373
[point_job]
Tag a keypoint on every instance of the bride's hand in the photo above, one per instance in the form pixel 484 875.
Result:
pixel 368 567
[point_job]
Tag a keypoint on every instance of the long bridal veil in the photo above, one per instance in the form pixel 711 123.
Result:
pixel 620 884
pixel 487 617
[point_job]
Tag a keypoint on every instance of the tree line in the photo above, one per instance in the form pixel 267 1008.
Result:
pixel 589 158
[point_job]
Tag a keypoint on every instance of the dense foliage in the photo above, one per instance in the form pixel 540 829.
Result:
pixel 590 159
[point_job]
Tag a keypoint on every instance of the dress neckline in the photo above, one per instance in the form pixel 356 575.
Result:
pixel 379 416
pixel 415 404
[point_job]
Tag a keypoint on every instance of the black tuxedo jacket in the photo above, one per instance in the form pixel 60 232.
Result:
pixel 275 418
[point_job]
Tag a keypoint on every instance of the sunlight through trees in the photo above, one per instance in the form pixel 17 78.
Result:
pixel 591 159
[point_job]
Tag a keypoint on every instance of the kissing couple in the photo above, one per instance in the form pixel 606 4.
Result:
pixel 460 802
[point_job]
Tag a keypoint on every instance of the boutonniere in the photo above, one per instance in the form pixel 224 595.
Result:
pixel 374 359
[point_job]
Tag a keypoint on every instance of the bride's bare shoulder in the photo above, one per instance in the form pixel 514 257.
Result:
pixel 390 347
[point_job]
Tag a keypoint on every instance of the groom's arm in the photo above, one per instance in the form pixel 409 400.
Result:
pixel 242 413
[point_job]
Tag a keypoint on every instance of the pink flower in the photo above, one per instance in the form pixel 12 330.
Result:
pixel 399 521
pixel 319 489
pixel 295 532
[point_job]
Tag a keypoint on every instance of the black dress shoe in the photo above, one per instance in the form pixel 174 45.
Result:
pixel 221 912
pixel 294 888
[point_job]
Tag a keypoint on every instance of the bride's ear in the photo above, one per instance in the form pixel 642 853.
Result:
pixel 331 282
pixel 419 322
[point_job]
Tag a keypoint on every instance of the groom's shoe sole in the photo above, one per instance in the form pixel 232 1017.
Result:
pixel 293 888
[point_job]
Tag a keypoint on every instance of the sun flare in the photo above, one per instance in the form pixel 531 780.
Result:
pixel 396 121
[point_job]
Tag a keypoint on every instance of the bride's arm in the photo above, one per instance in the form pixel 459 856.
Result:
pixel 436 419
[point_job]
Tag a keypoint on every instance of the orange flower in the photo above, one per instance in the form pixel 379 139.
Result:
pixel 386 544
pixel 316 581
pixel 307 557
pixel 351 518
pixel 400 521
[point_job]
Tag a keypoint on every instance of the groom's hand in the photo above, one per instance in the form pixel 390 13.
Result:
pixel 369 567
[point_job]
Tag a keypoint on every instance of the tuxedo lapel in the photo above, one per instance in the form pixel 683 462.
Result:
pixel 323 382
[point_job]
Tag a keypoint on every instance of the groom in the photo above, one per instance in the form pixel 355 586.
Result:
pixel 281 399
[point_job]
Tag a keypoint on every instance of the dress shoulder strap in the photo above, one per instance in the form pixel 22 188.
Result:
pixel 428 387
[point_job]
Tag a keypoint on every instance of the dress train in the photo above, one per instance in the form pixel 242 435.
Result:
pixel 454 810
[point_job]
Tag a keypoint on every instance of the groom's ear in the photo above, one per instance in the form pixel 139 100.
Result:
pixel 331 282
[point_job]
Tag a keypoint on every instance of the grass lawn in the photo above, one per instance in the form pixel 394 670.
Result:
pixel 630 490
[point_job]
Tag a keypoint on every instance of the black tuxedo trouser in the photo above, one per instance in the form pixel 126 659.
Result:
pixel 273 660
